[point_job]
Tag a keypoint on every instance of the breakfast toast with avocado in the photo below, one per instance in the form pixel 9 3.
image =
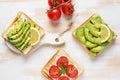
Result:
pixel 94 35
pixel 23 33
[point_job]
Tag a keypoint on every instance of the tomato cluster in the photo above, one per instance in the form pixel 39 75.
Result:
pixel 63 70
pixel 56 5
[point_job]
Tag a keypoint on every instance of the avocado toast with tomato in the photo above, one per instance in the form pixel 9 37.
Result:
pixel 23 33
pixel 62 67
pixel 94 35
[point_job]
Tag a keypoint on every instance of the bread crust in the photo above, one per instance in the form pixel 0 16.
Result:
pixel 19 14
pixel 84 46
pixel 53 60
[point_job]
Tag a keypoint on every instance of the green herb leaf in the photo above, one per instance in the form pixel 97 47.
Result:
pixel 63 70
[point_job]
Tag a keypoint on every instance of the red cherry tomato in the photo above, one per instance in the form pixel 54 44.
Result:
pixel 54 14
pixel 54 2
pixel 63 78
pixel 62 61
pixel 54 71
pixel 68 8
pixel 72 72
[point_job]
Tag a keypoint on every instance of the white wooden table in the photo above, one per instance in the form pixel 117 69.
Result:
pixel 104 67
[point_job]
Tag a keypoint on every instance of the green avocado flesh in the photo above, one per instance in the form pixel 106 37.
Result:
pixel 89 34
pixel 20 35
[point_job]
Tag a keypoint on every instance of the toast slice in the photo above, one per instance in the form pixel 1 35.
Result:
pixel 89 35
pixel 53 61
pixel 16 30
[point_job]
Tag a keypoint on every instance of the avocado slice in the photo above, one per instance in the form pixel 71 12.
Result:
pixel 93 30
pixel 96 21
pixel 18 24
pixel 16 29
pixel 13 37
pixel 90 38
pixel 90 45
pixel 25 44
pixel 24 39
pixel 27 34
pixel 98 49
pixel 93 54
pixel 20 38
pixel 80 35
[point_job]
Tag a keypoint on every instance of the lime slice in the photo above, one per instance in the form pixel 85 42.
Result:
pixel 35 36
pixel 105 33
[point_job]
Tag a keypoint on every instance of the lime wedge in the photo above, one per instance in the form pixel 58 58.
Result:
pixel 105 33
pixel 35 36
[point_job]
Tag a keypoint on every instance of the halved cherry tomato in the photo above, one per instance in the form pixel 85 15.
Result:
pixel 54 71
pixel 63 78
pixel 54 2
pixel 72 71
pixel 54 14
pixel 68 8
pixel 62 61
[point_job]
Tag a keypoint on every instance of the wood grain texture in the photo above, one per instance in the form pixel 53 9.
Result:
pixel 105 67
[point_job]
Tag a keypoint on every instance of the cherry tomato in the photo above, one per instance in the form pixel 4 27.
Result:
pixel 54 71
pixel 68 8
pixel 62 61
pixel 63 78
pixel 72 72
pixel 54 2
pixel 54 14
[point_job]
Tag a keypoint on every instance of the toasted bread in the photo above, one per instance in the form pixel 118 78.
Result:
pixel 84 46
pixel 52 61
pixel 19 15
